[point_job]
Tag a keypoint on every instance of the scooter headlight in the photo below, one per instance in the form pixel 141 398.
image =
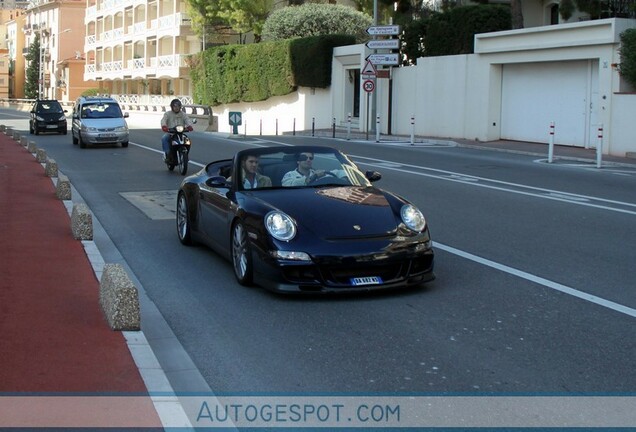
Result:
pixel 179 129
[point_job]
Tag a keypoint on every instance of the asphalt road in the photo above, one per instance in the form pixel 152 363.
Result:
pixel 535 288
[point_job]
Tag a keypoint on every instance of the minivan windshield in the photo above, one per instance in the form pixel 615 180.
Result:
pixel 101 110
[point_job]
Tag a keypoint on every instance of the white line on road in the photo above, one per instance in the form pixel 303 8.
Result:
pixel 539 280
pixel 191 162
pixel 505 186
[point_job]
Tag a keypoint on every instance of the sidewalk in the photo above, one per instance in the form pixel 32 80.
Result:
pixel 561 152
pixel 54 337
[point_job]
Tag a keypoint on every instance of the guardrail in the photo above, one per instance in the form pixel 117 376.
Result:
pixel 200 112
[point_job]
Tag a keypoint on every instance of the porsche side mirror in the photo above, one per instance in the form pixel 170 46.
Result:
pixel 373 176
pixel 217 182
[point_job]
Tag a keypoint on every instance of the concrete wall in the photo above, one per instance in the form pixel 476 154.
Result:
pixel 298 107
pixel 622 124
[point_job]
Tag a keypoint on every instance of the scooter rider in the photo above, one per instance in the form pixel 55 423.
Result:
pixel 171 119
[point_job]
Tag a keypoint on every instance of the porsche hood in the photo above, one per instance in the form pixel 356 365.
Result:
pixel 338 212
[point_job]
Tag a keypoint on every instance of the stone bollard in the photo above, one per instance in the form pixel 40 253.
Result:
pixel 16 135
pixel 50 169
pixel 3 128
pixel 8 130
pixel 63 188
pixel 40 155
pixel 32 148
pixel 119 299
pixel 24 141
pixel 81 222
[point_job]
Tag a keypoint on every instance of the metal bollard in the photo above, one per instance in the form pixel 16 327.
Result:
pixel 294 128
pixel 348 126
pixel 313 126
pixel 551 143
pixel 599 147
pixel 333 128
pixel 377 128
pixel 412 129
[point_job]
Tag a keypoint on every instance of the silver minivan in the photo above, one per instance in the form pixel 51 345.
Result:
pixel 98 120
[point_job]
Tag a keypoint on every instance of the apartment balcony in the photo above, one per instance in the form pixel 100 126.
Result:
pixel 161 27
pixel 168 66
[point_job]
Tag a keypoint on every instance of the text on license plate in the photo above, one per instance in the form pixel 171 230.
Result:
pixel 51 126
pixel 369 280
pixel 107 135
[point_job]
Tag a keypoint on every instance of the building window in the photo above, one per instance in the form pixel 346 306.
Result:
pixel 554 14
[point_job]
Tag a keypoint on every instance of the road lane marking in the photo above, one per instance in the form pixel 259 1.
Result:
pixel 539 280
pixel 161 152
pixel 588 201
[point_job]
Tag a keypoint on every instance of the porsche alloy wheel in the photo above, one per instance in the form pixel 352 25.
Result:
pixel 241 256
pixel 183 221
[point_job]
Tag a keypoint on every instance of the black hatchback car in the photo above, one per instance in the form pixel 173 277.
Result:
pixel 47 116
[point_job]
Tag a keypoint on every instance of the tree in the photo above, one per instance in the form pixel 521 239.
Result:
pixel 32 85
pixel 516 14
pixel 313 19
pixel 242 16
pixel 627 66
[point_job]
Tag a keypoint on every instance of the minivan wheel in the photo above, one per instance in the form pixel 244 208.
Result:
pixel 124 144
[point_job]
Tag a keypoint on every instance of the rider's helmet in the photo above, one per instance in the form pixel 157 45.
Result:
pixel 175 105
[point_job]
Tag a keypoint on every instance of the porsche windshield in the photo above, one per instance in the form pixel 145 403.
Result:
pixel 308 167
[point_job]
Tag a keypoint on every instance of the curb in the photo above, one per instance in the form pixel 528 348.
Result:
pixel 166 403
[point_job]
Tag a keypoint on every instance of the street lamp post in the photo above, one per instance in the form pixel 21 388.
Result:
pixel 40 68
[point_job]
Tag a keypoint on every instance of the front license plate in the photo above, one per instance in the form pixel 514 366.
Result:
pixel 369 280
pixel 107 135
pixel 51 126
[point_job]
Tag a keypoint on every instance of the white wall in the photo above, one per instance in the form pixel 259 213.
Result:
pixel 300 106
pixel 622 130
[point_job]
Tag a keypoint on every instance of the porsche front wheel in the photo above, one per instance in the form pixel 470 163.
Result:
pixel 183 220
pixel 241 255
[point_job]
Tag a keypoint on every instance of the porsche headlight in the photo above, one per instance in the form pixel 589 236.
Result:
pixel 280 226
pixel 412 217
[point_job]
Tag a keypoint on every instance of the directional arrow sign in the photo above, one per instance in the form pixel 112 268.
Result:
pixel 235 118
pixel 384 30
pixel 384 59
pixel 383 44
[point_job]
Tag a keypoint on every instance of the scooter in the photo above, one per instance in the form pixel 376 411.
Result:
pixel 179 149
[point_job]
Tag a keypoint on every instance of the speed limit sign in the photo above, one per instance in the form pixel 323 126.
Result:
pixel 368 85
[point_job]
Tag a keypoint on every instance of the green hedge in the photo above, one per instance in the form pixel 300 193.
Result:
pixel 453 32
pixel 627 67
pixel 256 72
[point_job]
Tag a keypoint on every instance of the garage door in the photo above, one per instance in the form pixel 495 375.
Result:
pixel 535 94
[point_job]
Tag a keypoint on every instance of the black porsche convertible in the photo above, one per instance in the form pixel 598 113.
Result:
pixel 304 219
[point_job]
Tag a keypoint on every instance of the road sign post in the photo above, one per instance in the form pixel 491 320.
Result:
pixel 236 120
pixel 384 30
pixel 368 85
